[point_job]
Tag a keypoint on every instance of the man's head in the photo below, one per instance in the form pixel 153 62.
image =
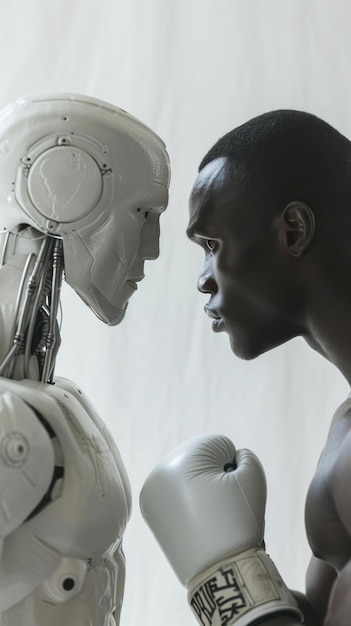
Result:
pixel 269 202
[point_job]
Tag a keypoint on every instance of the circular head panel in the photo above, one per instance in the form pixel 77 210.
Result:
pixel 64 183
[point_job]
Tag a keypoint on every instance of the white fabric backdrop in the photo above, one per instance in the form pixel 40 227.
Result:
pixel 192 70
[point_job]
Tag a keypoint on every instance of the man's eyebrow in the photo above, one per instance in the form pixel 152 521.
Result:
pixel 195 230
pixel 190 231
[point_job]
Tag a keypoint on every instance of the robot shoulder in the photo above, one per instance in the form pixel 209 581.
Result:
pixel 27 461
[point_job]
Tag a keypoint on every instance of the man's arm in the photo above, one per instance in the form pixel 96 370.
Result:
pixel 339 609
pixel 205 504
pixel 339 606
pixel 320 578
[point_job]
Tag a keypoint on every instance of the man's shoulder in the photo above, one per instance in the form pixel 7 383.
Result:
pixel 340 470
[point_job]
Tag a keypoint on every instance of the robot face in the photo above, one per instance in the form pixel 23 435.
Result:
pixel 86 171
pixel 117 253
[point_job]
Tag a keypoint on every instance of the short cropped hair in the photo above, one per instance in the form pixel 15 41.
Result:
pixel 287 155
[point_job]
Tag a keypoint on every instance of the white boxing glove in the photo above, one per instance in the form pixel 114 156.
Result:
pixel 205 504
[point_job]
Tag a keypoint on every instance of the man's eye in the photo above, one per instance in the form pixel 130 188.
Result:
pixel 211 244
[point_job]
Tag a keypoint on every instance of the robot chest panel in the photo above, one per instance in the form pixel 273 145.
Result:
pixel 94 492
pixel 87 512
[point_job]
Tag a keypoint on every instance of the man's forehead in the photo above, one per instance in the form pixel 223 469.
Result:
pixel 212 174
pixel 210 179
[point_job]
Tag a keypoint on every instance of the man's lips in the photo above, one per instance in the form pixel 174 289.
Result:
pixel 212 313
pixel 217 321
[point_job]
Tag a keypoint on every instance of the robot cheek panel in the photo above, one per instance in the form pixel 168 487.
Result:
pixel 112 252
pixel 88 173
pixel 113 260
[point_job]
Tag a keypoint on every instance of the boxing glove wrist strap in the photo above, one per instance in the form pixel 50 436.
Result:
pixel 239 590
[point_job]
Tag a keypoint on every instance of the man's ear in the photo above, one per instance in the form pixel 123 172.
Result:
pixel 297 227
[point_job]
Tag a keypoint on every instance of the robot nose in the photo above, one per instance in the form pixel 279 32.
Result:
pixel 150 237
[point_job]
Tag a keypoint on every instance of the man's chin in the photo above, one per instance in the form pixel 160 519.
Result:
pixel 243 350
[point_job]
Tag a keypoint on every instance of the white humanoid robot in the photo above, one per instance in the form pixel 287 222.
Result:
pixel 82 187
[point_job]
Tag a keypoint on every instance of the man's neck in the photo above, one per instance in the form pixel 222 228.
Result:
pixel 329 329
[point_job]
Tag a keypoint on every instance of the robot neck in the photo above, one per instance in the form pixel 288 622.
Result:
pixel 31 267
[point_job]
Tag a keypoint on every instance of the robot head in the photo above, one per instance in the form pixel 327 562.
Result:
pixel 84 170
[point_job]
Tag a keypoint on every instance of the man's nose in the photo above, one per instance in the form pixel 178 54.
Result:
pixel 150 237
pixel 206 282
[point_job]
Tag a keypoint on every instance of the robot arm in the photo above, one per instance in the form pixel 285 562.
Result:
pixel 27 461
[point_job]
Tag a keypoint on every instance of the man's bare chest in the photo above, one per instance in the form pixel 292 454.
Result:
pixel 327 535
